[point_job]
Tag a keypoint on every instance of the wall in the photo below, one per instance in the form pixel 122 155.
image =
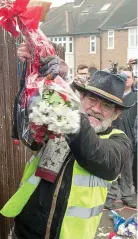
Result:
pixel 119 53
pixel 82 52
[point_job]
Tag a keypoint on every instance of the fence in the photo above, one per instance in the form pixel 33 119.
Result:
pixel 12 157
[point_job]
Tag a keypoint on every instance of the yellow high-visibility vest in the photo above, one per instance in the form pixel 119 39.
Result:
pixel 86 200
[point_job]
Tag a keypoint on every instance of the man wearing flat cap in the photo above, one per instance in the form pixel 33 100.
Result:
pixel 72 206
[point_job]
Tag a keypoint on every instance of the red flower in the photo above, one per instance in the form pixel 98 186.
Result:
pixel 48 81
pixel 52 136
pixel 64 97
pixel 16 141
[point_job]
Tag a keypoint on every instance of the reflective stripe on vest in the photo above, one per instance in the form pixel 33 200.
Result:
pixel 84 212
pixel 90 181
pixel 33 180
pixel 86 202
pixel 27 186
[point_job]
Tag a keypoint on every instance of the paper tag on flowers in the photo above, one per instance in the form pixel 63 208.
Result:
pixel 52 159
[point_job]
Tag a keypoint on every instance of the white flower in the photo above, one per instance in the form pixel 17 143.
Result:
pixel 60 119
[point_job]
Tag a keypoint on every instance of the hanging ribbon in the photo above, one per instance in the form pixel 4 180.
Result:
pixel 9 12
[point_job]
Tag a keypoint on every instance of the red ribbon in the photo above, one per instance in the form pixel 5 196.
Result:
pixel 9 12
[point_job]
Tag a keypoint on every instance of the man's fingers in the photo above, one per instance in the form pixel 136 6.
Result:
pixel 45 70
pixel 23 54
pixel 22 59
pixel 23 51
pixel 46 60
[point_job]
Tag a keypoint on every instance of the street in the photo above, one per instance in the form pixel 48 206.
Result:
pixel 106 225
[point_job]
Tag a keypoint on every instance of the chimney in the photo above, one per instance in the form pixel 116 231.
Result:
pixel 67 21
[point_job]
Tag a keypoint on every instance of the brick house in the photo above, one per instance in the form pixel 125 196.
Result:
pixel 94 32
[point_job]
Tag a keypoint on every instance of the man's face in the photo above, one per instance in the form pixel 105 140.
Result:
pixel 129 81
pixel 83 75
pixel 100 112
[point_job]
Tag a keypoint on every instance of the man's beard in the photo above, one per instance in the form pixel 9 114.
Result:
pixel 103 125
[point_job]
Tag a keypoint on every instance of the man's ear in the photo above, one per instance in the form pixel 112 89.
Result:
pixel 118 112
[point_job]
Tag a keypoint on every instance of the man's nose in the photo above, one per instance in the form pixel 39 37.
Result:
pixel 97 108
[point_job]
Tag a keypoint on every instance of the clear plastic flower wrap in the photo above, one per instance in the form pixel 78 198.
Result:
pixel 46 108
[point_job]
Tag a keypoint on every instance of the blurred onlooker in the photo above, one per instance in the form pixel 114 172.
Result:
pixel 113 67
pixel 82 74
pixel 131 64
pixel 126 123
pixel 135 85
pixel 129 82
pixel 135 155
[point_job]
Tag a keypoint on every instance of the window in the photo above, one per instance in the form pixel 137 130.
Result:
pixel 66 42
pixel 133 38
pixel 71 74
pixel 110 39
pixel 93 44
pixel 105 7
pixel 135 70
pixel 87 10
pixel 70 45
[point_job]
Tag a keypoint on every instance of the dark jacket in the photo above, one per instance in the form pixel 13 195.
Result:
pixel 101 157
pixel 126 120
pixel 135 155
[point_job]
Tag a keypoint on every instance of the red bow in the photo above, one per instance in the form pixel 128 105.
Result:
pixel 9 12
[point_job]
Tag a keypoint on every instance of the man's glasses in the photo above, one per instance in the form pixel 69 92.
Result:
pixel 105 106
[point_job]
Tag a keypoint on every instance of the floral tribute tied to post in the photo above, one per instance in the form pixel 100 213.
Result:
pixel 47 108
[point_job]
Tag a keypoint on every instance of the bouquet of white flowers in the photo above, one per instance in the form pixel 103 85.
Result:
pixel 46 108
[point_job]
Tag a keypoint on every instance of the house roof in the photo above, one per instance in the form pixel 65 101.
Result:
pixel 131 23
pixel 124 14
pixel 69 19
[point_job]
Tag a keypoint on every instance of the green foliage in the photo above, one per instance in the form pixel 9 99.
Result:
pixel 53 98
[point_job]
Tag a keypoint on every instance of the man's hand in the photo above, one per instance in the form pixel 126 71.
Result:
pixel 23 52
pixel 53 66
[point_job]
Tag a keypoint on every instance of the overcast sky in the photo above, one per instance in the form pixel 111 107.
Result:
pixel 60 2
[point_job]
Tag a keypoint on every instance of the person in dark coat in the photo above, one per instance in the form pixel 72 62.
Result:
pixel 135 154
pixel 125 122
pixel 94 153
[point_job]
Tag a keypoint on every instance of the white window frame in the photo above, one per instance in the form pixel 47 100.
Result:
pixel 133 32
pixel 70 42
pixel 113 38
pixel 64 40
pixel 92 41
pixel 106 6
pixel 135 70
pixel 71 74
